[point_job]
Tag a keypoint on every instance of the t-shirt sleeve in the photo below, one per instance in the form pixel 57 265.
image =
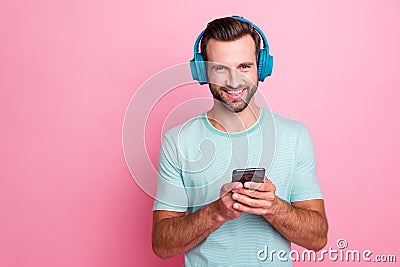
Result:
pixel 305 181
pixel 171 194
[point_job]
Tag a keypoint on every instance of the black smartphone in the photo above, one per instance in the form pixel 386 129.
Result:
pixel 248 175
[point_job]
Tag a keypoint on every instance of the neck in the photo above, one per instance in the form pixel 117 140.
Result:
pixel 228 121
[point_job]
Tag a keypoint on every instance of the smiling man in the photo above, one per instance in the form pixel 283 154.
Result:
pixel 199 211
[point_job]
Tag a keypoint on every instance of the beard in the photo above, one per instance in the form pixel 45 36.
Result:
pixel 233 105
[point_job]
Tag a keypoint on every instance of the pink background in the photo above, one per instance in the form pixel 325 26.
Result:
pixel 69 68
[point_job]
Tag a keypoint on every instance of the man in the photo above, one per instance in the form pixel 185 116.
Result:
pixel 198 210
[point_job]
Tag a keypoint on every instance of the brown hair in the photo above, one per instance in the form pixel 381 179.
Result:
pixel 228 29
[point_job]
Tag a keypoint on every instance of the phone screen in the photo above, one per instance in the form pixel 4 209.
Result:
pixel 248 175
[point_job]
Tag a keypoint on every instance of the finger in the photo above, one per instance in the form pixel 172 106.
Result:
pixel 228 187
pixel 252 202
pixel 269 196
pixel 253 186
pixel 236 186
pixel 252 210
pixel 267 186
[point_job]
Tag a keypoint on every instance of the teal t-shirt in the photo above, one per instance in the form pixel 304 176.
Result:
pixel 196 159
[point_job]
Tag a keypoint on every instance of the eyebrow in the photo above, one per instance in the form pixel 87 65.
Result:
pixel 246 63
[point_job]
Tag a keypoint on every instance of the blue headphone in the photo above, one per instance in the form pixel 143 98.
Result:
pixel 265 60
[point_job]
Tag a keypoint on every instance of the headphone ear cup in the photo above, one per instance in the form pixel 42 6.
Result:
pixel 269 65
pixel 193 70
pixel 262 65
pixel 265 64
pixel 198 69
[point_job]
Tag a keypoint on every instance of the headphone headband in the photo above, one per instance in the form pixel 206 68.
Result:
pixel 259 31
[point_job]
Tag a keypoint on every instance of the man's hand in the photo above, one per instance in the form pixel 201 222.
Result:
pixel 302 222
pixel 175 232
pixel 256 198
pixel 224 205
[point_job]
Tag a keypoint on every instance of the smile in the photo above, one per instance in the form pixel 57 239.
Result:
pixel 235 94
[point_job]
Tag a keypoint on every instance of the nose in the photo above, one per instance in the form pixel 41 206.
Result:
pixel 234 79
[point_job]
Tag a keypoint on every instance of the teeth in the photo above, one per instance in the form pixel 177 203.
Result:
pixel 235 92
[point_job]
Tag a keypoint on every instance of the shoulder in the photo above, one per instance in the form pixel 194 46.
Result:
pixel 190 129
pixel 291 133
pixel 285 124
pixel 288 132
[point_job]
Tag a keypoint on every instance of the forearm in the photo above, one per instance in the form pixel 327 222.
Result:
pixel 306 228
pixel 175 235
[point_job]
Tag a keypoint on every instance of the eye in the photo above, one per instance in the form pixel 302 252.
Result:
pixel 220 68
pixel 245 66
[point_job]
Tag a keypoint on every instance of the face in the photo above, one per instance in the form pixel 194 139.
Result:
pixel 232 71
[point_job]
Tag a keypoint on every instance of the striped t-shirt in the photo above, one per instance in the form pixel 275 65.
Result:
pixel 196 159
